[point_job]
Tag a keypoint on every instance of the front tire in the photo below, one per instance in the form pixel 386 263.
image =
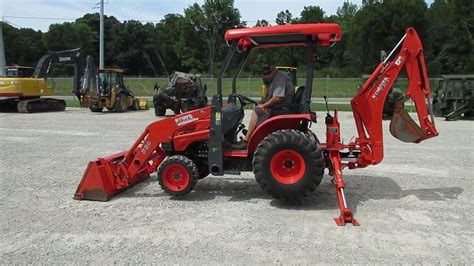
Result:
pixel 96 109
pixel 436 110
pixel 288 165
pixel 188 106
pixel 177 175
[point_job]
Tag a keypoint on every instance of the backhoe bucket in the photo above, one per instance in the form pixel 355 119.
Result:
pixel 402 125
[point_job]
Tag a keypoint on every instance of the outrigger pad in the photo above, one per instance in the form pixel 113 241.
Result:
pixel 402 125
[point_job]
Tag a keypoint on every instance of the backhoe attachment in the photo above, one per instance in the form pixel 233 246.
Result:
pixel 367 105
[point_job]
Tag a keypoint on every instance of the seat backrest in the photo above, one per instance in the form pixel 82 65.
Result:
pixel 298 95
pixel 294 108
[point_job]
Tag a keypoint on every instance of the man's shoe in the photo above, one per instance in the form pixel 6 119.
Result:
pixel 241 145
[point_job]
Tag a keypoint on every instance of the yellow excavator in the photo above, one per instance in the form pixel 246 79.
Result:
pixel 23 89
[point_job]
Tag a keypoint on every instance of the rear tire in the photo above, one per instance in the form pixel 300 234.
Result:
pixel 120 103
pixel 469 115
pixel 135 104
pixel 177 175
pixel 288 165
pixel 160 111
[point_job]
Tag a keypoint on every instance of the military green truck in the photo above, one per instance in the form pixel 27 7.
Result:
pixel 184 92
pixel 453 98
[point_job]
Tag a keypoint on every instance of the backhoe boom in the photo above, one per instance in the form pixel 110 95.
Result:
pixel 367 105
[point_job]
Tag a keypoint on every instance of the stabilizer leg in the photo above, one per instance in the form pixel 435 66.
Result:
pixel 346 213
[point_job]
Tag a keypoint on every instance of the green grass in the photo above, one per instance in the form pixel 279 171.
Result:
pixel 333 87
pixel 250 87
pixel 339 107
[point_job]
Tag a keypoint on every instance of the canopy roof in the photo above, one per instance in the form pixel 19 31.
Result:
pixel 285 35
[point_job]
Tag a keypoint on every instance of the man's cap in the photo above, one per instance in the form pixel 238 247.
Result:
pixel 267 68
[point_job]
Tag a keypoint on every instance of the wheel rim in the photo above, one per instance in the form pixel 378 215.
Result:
pixel 176 177
pixel 287 167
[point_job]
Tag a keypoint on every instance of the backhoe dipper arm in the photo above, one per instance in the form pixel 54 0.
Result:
pixel 88 86
pixel 367 105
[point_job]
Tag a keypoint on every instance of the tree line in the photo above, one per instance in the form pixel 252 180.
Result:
pixel 193 42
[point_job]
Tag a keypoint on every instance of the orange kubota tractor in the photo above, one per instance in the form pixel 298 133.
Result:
pixel 285 155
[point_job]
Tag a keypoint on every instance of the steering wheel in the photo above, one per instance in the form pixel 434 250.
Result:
pixel 244 100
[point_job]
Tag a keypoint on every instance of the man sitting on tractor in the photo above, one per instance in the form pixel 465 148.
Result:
pixel 280 92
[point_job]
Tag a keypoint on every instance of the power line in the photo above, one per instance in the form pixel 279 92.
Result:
pixel 73 19
pixel 11 23
pixel 121 20
pixel 42 18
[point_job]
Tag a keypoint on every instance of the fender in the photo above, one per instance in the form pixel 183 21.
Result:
pixel 292 121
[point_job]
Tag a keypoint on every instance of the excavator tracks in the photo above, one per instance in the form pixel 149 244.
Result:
pixel 41 105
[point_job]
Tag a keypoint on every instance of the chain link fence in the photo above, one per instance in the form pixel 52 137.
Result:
pixel 250 86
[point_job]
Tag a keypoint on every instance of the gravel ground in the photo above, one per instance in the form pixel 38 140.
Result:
pixel 415 207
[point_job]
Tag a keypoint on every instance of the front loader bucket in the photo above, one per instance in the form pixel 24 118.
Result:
pixel 403 127
pixel 97 182
pixel 103 179
pixel 143 104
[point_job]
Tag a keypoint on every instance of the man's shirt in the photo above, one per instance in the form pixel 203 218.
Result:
pixel 281 86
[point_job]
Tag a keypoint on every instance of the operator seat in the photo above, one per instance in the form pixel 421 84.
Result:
pixel 294 108
pixel 297 106
pixel 232 116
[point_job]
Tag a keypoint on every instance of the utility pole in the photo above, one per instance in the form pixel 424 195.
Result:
pixel 2 53
pixel 101 35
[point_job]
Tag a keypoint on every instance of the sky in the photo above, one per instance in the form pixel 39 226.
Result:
pixel 39 14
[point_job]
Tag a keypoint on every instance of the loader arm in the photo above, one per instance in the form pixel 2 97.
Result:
pixel 367 104
pixel 109 175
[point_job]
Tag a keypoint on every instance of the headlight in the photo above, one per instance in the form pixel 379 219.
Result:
pixel 14 82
